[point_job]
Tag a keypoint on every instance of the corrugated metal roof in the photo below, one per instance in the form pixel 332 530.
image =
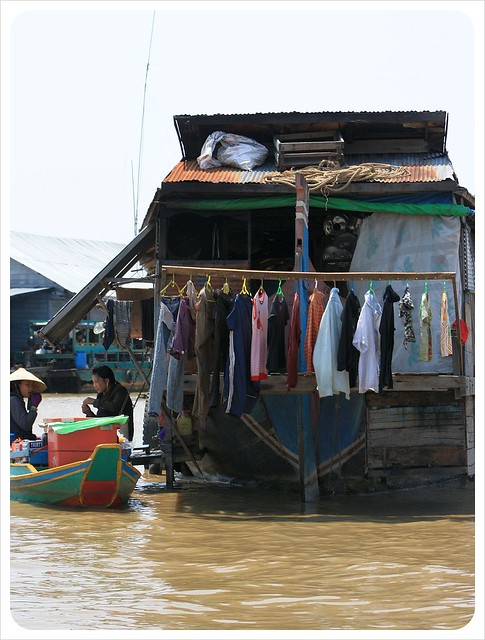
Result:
pixel 68 262
pixel 420 168
pixel 21 291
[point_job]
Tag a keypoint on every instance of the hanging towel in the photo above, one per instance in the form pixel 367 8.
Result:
pixel 425 339
pixel 445 337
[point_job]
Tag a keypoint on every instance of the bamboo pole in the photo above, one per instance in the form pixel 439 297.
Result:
pixel 308 275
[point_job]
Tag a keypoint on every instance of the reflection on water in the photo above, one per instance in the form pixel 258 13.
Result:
pixel 219 557
pixel 223 558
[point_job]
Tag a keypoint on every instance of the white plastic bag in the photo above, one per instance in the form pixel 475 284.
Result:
pixel 230 149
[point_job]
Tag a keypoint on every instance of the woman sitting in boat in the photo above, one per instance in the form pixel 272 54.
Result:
pixel 24 386
pixel 112 399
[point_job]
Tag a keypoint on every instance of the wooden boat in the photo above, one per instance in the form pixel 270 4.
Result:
pixel 74 477
pixel 68 369
pixel 105 479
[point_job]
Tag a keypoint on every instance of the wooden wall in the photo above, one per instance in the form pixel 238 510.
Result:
pixel 415 433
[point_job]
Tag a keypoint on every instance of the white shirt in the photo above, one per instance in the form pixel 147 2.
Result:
pixel 367 341
pixel 330 381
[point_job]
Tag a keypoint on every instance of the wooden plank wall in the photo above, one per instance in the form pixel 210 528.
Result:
pixel 425 434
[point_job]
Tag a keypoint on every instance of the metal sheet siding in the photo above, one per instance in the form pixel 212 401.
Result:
pixel 420 168
pixel 68 262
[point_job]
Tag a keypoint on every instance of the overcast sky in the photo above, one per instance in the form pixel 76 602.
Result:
pixel 72 94
pixel 75 76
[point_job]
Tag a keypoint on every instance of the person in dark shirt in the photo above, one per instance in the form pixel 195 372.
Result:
pixel 112 399
pixel 24 385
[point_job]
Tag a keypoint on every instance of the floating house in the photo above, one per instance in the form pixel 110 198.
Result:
pixel 339 205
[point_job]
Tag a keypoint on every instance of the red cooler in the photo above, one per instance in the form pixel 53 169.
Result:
pixel 78 445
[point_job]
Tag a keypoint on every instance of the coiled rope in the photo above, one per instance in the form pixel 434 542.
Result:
pixel 329 177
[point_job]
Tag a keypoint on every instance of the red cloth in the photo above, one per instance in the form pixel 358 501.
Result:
pixel 294 338
pixel 464 330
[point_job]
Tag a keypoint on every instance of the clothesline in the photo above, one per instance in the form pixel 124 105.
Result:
pixel 309 275
pixel 329 276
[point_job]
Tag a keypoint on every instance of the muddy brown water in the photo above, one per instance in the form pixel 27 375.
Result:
pixel 216 556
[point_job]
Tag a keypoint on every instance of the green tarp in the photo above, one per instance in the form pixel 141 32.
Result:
pixel 70 427
pixel 319 202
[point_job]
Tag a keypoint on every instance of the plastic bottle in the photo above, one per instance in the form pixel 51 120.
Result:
pixel 184 424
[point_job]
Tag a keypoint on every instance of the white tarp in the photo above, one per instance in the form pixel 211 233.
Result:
pixel 391 242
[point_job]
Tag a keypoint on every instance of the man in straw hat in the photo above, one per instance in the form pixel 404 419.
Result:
pixel 24 384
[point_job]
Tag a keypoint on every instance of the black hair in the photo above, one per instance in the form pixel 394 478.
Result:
pixel 15 387
pixel 104 371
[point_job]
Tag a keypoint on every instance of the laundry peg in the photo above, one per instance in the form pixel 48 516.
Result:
pixel 371 287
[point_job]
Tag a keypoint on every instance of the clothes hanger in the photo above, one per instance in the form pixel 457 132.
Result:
pixel 172 283
pixel 244 289
pixel 279 290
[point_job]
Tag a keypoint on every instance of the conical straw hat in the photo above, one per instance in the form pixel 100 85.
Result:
pixel 23 374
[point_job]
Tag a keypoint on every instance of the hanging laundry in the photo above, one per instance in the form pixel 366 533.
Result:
pixel 406 306
pixel 294 338
pixel 240 392
pixel 386 330
pixel 182 349
pixel 316 306
pixel 347 354
pixel 224 303
pixel 165 328
pixel 136 331
pixel 425 339
pixel 147 320
pixel 330 381
pixel 204 348
pixel 259 336
pixel 109 325
pixel 277 321
pixel 445 336
pixel 122 320
pixel 367 341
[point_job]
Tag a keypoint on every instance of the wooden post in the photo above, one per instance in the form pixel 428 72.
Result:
pixel 309 489
pixel 169 468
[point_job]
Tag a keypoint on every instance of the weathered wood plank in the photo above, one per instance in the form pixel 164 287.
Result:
pixel 410 399
pixel 421 456
pixel 417 436
pixel 424 472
